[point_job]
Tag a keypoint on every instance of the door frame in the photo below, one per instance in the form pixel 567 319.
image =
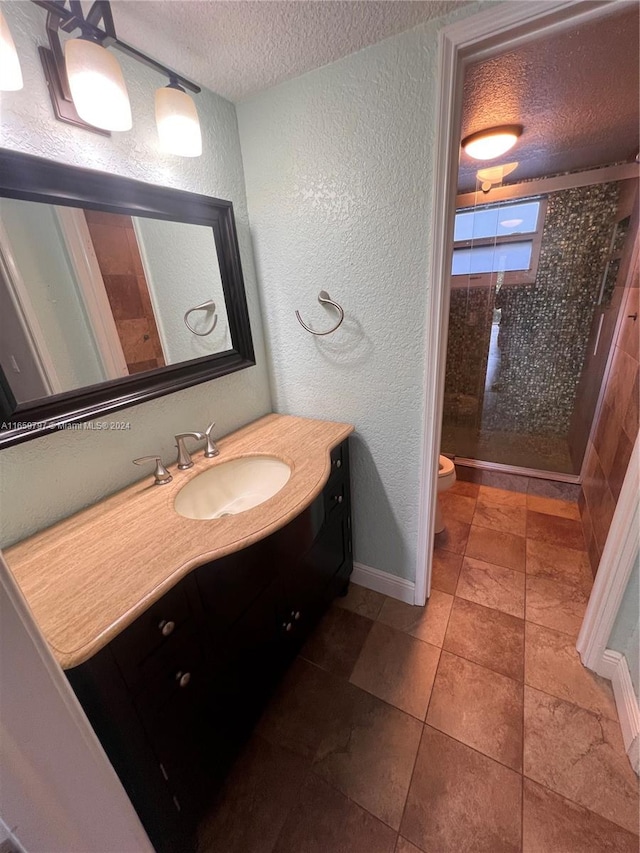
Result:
pixel 477 37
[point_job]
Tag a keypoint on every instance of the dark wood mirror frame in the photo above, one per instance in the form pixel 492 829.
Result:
pixel 36 179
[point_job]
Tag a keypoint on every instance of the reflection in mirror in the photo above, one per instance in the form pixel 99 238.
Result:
pixel 87 296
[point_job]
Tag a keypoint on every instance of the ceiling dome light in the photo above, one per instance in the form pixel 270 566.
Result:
pixel 491 143
pixel 97 86
pixel 10 71
pixel 178 123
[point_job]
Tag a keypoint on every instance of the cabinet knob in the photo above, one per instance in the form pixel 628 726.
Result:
pixel 287 626
pixel 183 678
pixel 296 615
pixel 338 463
pixel 166 627
pixel 338 498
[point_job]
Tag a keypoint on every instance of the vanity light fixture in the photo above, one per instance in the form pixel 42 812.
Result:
pixel 493 142
pixel 86 83
pixel 97 86
pixel 10 71
pixel 177 121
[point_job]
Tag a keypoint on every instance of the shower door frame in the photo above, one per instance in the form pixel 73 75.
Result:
pixel 478 37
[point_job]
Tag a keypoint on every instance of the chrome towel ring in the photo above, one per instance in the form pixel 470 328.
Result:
pixel 324 299
pixel 209 305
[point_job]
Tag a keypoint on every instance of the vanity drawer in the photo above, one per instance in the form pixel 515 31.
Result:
pixel 156 628
pixel 173 672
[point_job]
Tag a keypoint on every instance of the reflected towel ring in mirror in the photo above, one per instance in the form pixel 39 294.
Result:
pixel 325 299
pixel 209 305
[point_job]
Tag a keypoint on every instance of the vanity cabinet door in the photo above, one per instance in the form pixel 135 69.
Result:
pixel 179 719
pixel 108 704
pixel 229 586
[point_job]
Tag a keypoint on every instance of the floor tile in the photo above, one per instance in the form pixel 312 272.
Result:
pixel 553 506
pixel 486 636
pixel 492 586
pixel 462 487
pixel 502 497
pixel 559 564
pixel 455 506
pixel 554 489
pixel 368 752
pixel 453 537
pixel 365 602
pixel 581 756
pixel 553 823
pixel 511 519
pixel 445 570
pixel 404 846
pixel 397 668
pixel 336 642
pixel 478 707
pixel 553 665
pixel 428 623
pixel 299 714
pixel 255 802
pixel 566 532
pixel 452 804
pixel 324 820
pixel 555 605
pixel 497 547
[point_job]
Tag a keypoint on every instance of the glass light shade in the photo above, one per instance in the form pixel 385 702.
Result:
pixel 492 143
pixel 10 71
pixel 178 123
pixel 97 86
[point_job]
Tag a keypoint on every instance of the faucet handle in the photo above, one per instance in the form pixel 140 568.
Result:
pixel 211 449
pixel 162 476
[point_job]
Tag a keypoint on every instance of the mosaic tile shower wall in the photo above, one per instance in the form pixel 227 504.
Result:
pixel 544 327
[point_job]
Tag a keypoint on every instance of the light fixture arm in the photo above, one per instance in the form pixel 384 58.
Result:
pixel 97 25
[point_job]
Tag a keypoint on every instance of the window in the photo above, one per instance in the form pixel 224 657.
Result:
pixel 498 240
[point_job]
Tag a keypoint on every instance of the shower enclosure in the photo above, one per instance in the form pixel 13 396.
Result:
pixel 532 315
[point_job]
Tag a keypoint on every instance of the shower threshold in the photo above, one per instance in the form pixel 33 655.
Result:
pixel 516 469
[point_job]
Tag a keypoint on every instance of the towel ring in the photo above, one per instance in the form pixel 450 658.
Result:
pixel 324 299
pixel 209 305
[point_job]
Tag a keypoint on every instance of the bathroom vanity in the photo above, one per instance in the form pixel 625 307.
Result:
pixel 173 674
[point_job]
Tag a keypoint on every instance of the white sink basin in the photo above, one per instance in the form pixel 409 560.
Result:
pixel 232 487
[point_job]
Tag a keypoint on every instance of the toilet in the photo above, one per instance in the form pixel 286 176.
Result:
pixel 446 479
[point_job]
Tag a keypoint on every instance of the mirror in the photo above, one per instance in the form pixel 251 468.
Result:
pixel 111 292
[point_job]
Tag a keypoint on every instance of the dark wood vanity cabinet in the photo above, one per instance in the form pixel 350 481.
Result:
pixel 176 693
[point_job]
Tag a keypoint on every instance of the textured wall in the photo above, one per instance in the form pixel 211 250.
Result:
pixel 625 637
pixel 338 168
pixel 46 479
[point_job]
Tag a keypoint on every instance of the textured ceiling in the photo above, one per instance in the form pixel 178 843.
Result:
pixel 576 95
pixel 240 48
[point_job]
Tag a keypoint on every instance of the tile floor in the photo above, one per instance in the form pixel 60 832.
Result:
pixel 467 725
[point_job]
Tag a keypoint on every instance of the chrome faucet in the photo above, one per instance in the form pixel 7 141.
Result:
pixel 184 457
pixel 211 450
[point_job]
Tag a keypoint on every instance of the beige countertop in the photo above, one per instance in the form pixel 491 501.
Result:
pixel 92 574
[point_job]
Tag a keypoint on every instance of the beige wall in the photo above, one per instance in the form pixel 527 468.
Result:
pixel 609 450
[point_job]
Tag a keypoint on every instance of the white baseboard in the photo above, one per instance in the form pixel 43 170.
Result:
pixel 615 667
pixel 394 587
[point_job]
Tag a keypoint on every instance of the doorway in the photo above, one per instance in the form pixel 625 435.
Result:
pixel 463 44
